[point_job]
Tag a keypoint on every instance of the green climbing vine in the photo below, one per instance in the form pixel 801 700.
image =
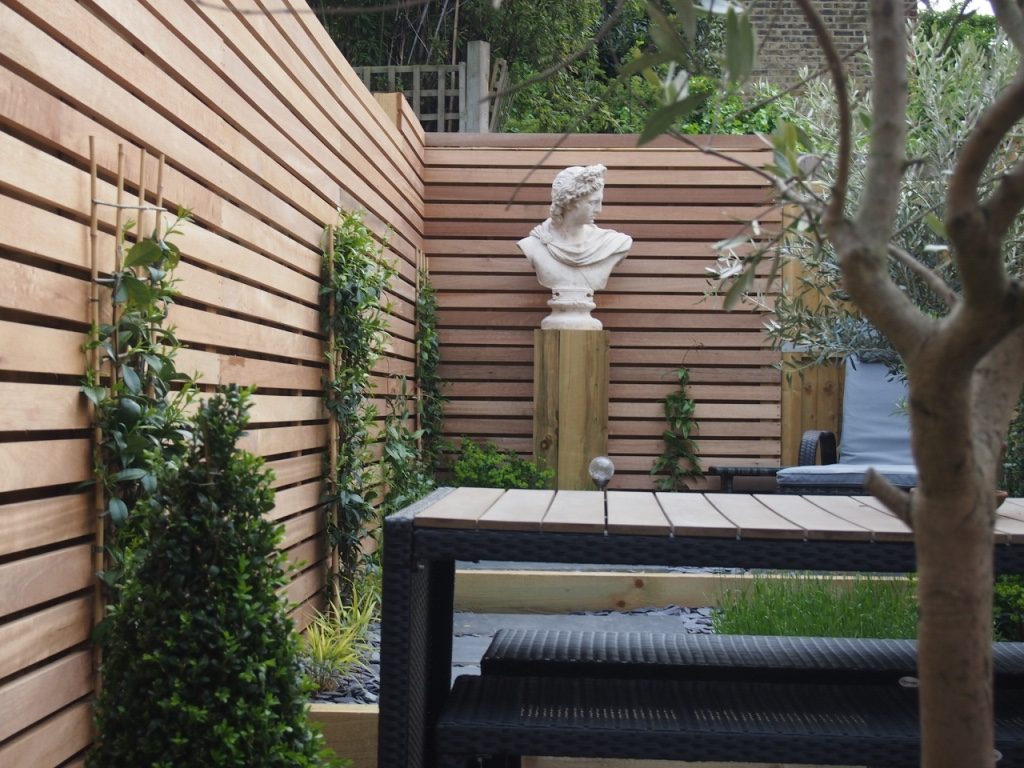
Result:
pixel 405 474
pixel 679 461
pixel 356 277
pixel 428 359
pixel 141 406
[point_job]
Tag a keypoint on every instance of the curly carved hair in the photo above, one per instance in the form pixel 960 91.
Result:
pixel 571 184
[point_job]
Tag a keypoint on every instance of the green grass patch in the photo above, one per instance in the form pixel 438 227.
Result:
pixel 820 606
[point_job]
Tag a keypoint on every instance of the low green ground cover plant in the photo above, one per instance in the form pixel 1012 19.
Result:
pixel 820 606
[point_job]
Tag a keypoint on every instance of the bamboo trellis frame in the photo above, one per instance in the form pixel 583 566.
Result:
pixel 99 496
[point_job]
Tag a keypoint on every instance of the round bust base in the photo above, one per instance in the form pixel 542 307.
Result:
pixel 570 310
pixel 564 321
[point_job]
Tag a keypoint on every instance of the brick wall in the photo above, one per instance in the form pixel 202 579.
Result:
pixel 787 43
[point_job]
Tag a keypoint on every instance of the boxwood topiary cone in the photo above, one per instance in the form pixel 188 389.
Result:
pixel 200 658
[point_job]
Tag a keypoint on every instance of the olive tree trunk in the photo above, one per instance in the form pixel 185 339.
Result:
pixel 965 372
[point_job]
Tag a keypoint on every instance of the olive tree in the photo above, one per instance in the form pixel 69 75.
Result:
pixel 964 363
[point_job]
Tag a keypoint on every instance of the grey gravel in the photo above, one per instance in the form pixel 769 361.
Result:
pixel 472 634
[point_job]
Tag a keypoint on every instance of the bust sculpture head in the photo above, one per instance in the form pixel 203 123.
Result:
pixel 572 185
pixel 570 255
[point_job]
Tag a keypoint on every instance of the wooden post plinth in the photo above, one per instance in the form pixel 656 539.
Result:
pixel 570 403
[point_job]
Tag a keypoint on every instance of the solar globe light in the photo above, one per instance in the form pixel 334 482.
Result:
pixel 601 470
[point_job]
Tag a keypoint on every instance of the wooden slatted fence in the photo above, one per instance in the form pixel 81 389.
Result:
pixel 483 193
pixel 266 131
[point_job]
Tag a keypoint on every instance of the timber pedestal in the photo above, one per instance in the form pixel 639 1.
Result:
pixel 570 402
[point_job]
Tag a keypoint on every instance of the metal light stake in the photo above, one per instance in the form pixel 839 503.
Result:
pixel 601 470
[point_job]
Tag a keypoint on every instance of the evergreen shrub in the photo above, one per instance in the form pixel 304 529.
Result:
pixel 200 661
pixel 486 465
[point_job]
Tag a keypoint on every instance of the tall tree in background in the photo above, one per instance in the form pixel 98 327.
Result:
pixel 534 37
pixel 965 364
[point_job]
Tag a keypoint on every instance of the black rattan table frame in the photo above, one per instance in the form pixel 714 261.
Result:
pixel 419 579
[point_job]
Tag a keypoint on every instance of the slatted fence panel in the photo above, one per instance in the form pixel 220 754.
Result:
pixel 266 131
pixel 483 193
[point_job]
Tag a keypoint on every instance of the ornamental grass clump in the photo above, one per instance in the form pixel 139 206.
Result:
pixel 820 606
pixel 200 661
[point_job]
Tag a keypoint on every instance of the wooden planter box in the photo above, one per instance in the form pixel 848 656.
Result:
pixel 350 730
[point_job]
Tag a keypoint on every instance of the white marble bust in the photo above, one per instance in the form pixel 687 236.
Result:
pixel 570 255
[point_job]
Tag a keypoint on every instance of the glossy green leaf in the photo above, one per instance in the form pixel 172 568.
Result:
pixel 96 395
pixel 131 379
pixel 662 119
pixel 117 510
pixel 143 253
pixel 137 290
pixel 132 473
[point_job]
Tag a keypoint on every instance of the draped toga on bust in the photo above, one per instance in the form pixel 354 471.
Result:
pixel 597 245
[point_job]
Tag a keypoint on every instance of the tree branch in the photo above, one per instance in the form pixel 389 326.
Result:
pixel 896 500
pixel 969 224
pixel 880 199
pixel 838 75
pixel 1006 200
pixel 1010 17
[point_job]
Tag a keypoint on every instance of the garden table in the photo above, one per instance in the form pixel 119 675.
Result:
pixel 423 542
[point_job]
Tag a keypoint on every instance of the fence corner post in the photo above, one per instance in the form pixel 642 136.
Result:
pixel 478 82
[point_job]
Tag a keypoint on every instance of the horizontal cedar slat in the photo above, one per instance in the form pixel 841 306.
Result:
pixel 296 470
pixel 37 463
pixel 32 407
pixel 296 499
pixel 267 442
pixel 42 522
pixel 53 740
pixel 32 697
pixel 36 579
pixel 45 633
pixel 245 371
pixel 198 327
pixel 691 178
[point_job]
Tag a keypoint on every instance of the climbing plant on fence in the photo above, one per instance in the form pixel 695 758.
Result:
pixel 352 315
pixel 428 360
pixel 141 404
pixel 680 460
pixel 405 474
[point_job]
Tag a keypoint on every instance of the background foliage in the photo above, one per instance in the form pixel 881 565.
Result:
pixel 533 36
pixel 947 90
pixel 486 465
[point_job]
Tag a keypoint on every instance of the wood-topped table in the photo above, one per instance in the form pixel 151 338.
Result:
pixel 423 542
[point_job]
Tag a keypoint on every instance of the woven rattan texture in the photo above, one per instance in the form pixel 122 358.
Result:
pixel 751 658
pixel 657 719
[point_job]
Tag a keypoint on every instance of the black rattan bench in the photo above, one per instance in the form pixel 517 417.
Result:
pixel 750 658
pixel 829 701
pixel 501 718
